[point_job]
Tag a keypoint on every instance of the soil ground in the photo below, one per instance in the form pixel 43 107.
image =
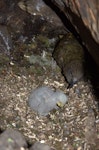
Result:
pixel 73 127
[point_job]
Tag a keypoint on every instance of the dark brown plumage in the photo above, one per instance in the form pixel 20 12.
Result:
pixel 69 55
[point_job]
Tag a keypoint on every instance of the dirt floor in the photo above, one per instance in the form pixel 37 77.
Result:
pixel 73 127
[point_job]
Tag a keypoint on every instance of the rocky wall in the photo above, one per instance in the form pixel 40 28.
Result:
pixel 83 15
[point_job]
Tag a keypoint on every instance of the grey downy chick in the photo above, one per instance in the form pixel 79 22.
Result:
pixel 69 55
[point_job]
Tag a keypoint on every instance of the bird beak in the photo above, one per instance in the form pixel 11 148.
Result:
pixel 70 85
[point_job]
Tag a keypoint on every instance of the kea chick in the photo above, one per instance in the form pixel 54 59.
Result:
pixel 69 55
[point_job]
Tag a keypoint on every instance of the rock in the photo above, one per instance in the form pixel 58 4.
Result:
pixel 12 140
pixel 5 40
pixel 82 17
pixel 38 7
pixel 69 55
pixel 40 146
pixel 45 20
pixel 44 99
